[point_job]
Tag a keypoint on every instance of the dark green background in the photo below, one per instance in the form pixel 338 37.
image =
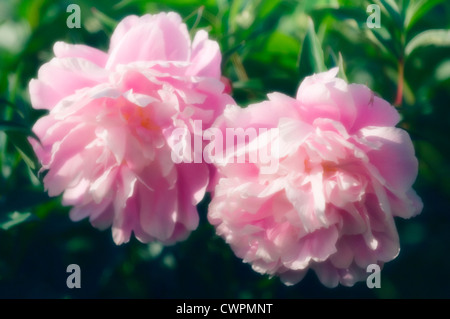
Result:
pixel 262 44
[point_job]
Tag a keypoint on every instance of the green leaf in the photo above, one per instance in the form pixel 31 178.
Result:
pixel 438 38
pixel 237 6
pixel 338 61
pixel 107 22
pixel 22 145
pixel 10 126
pixel 442 72
pixel 341 72
pixel 13 219
pixel 342 13
pixel 312 54
pixel 383 40
pixel 405 5
pixel 9 110
pixel 393 12
pixel 266 8
pixel 253 84
pixel 283 44
pixel 417 9
pixel 266 13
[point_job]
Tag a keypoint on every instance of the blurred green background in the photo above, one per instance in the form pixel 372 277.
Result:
pixel 267 46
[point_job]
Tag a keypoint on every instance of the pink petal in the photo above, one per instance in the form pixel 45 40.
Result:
pixel 65 50
pixel 157 213
pixel 138 42
pixel 206 57
pixel 371 110
pixel 395 158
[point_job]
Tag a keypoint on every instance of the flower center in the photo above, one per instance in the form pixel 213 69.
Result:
pixel 139 116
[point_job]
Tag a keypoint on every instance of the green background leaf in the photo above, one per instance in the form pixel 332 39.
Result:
pixel 312 58
pixel 14 219
pixel 437 38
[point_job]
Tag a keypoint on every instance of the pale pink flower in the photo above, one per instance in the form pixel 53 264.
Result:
pixel 106 142
pixel 344 173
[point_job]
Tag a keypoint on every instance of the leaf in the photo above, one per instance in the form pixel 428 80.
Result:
pixel 405 5
pixel 266 8
pixel 254 84
pixel 438 37
pixel 107 22
pixel 13 219
pixel 24 199
pixel 9 105
pixel 442 72
pixel 235 8
pixel 17 133
pixel 10 126
pixel 338 61
pixel 226 55
pixel 341 13
pixel 393 12
pixel 22 145
pixel 282 43
pixel 312 53
pixel 383 40
pixel 198 13
pixel 417 9
pixel 341 72
pixel 267 15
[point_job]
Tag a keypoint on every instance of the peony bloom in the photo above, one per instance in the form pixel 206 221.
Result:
pixel 344 172
pixel 106 142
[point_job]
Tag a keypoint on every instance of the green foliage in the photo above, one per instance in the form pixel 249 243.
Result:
pixel 312 54
pixel 439 38
pixel 16 218
pixel 267 46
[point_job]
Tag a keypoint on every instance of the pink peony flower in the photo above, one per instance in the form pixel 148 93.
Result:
pixel 106 142
pixel 344 172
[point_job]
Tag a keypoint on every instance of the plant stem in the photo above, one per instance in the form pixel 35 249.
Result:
pixel 400 80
